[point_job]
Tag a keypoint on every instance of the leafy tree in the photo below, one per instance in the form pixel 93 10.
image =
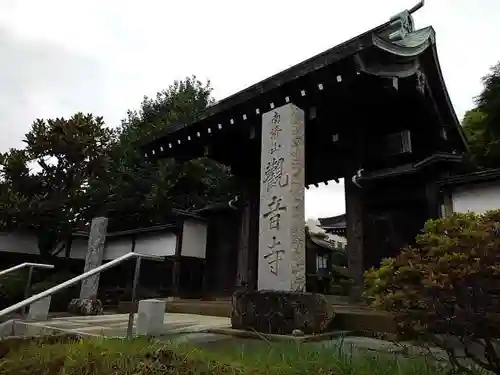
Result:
pixel 44 185
pixel 482 124
pixel 183 102
pixel 83 169
pixel 489 101
pixel 143 193
pixel 446 290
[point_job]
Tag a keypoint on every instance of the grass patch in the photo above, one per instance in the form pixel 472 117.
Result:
pixel 287 358
pixel 141 357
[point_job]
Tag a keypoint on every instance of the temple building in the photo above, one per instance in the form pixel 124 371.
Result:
pixel 334 224
pixel 373 110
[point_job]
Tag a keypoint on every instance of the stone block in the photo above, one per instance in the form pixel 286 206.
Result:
pixel 39 310
pixel 281 312
pixel 6 329
pixel 150 316
pixel 85 306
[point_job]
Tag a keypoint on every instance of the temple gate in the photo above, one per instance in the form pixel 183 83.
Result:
pixel 373 110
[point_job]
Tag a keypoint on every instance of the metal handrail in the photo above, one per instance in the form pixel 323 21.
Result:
pixel 22 265
pixel 30 274
pixel 83 276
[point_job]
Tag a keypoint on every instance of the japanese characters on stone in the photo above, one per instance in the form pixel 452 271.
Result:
pixel 274 175
pixel 275 179
pixel 274 256
pixel 296 151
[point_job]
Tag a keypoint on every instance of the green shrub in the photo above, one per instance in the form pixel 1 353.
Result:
pixel 98 356
pixel 446 289
pixel 16 343
pixel 340 282
pixel 112 296
pixel 60 300
pixel 12 286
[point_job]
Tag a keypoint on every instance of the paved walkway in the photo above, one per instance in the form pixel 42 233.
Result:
pixel 116 325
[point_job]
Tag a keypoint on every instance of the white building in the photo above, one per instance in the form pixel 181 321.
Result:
pixel 475 192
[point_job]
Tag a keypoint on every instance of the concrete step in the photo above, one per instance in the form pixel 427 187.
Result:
pixel 350 317
pixel 115 325
pixel 218 308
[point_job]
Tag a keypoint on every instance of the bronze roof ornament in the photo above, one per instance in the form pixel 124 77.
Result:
pixel 405 23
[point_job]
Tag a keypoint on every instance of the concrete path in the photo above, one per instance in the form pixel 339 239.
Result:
pixel 116 325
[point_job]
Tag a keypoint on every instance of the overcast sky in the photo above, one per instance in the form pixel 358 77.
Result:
pixel 102 56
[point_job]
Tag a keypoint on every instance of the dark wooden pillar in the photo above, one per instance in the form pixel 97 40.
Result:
pixel 204 279
pixel 176 261
pixel 254 203
pixel 448 203
pixel 248 236
pixel 355 237
pixel 432 196
pixel 242 275
pixel 247 170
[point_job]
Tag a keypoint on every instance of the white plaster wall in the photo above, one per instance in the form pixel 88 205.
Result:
pixel 161 244
pixel 18 243
pixel 22 243
pixel 477 198
pixel 194 239
pixel 78 248
pixel 116 247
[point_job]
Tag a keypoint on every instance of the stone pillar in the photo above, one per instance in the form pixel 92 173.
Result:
pixel 93 259
pixel 281 262
pixel 355 237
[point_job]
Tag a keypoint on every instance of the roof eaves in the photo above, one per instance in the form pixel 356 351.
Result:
pixel 332 55
pixel 332 220
pixel 446 96
pixel 489 175
pixel 155 228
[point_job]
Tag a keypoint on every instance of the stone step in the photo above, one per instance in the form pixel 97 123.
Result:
pixel 115 325
pixel 197 307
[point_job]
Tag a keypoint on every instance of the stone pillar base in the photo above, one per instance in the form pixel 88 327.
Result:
pixel 150 316
pixel 39 310
pixel 85 306
pixel 279 312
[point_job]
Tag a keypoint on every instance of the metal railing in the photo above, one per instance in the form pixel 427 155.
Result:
pixel 30 274
pixel 92 272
